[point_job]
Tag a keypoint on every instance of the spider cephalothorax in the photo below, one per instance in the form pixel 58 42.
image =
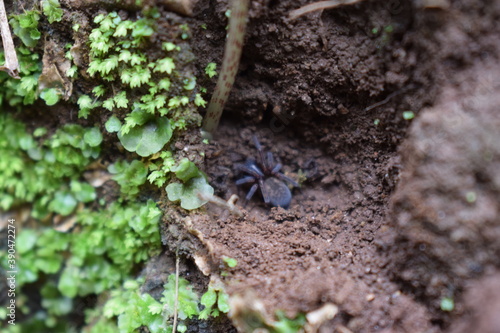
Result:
pixel 265 174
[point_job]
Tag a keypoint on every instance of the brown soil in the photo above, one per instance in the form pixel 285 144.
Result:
pixel 387 222
pixel 393 214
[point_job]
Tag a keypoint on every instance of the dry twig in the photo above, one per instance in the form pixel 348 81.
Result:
pixel 230 62
pixel 320 5
pixel 11 65
pixel 176 303
pixel 229 205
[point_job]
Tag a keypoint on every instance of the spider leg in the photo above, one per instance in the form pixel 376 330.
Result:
pixel 260 150
pixel 246 180
pixel 276 168
pixel 251 192
pixel 263 191
pixel 250 168
pixel 270 160
pixel 286 178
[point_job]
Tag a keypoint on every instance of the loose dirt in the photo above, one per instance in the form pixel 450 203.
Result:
pixel 393 215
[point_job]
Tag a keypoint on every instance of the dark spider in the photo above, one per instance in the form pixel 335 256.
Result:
pixel 265 175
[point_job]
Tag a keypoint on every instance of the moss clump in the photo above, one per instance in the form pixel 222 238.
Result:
pixel 45 172
pixel 100 245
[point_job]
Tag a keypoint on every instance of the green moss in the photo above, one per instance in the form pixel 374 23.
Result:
pixel 215 301
pixel 210 69
pixel 104 243
pixel 39 172
pixel 152 85
pixel 15 92
pixel 163 98
pixel 130 176
pixel 25 26
pixel 52 9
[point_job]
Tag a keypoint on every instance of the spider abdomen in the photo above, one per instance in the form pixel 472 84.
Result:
pixel 278 193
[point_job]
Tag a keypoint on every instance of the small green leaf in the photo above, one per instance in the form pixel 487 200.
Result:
pixel 125 56
pixel 155 308
pixel 164 84
pixel 113 124
pixel 447 304
pixel 26 240
pixel 109 64
pixel 188 193
pixel 210 69
pixel 168 46
pixel 83 192
pixel 121 99
pixel 122 29
pixel 137 59
pixel 93 137
pixel 63 203
pixel 230 262
pixel 189 83
pixel 84 102
pixel 186 170
pixel 28 83
pixel 209 298
pixel 69 281
pixel 408 115
pixel 99 91
pixel 52 9
pixel 199 101
pixel 223 302
pixel 72 71
pixel 50 96
pixel 165 65
pixel 109 104
pixel 147 139
pixel 40 131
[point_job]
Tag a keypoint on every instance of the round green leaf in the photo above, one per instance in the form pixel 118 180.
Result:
pixel 223 302
pixel 50 96
pixel 209 298
pixel 147 139
pixel 93 137
pixel 64 203
pixel 113 124
pixel 26 240
pixel 188 193
pixel 186 170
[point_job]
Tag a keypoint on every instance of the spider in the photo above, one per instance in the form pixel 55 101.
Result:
pixel 264 174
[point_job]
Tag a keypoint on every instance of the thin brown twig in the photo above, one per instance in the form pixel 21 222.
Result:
pixel 389 97
pixel 320 5
pixel 11 65
pixel 230 62
pixel 176 301
pixel 229 205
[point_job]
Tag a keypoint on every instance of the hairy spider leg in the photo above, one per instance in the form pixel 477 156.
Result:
pixel 286 178
pixel 263 191
pixel 251 192
pixel 276 168
pixel 270 161
pixel 261 151
pixel 250 168
pixel 246 180
pixel 254 171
